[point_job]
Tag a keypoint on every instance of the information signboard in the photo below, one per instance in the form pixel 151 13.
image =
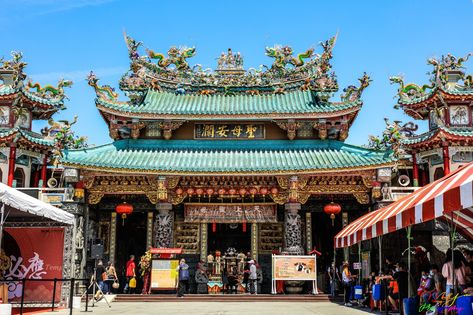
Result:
pixel 164 274
pixel 289 267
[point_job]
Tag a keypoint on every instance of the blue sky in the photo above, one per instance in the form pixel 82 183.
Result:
pixel 67 39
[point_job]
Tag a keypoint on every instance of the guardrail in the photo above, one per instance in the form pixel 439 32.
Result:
pixel 55 281
pixel 396 193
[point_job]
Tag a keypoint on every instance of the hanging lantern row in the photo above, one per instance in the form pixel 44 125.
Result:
pixel 199 192
pixel 124 209
pixel 332 209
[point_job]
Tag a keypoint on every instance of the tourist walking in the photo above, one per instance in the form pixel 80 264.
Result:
pixel 100 275
pixel 334 277
pixel 183 277
pixel 253 277
pixel 130 274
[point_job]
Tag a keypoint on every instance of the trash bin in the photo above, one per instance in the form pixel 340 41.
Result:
pixel 378 292
pixel 358 292
pixel 410 306
pixel 465 305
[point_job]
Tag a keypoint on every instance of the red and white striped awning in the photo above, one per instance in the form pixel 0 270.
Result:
pixel 453 192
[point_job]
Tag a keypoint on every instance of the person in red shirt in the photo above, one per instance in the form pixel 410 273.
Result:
pixel 130 273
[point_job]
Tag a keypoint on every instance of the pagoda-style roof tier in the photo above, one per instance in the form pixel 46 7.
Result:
pixel 448 83
pixel 27 139
pixel 166 105
pixel 167 87
pixel 440 135
pixel 219 157
pixel 42 101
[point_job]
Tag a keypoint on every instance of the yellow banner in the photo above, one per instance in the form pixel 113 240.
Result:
pixel 164 274
pixel 294 268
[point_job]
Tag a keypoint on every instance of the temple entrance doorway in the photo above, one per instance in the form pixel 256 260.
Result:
pixel 229 235
pixel 131 239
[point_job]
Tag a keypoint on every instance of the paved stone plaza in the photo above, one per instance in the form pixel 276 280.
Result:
pixel 220 308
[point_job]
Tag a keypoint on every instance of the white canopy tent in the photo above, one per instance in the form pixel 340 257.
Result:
pixel 15 204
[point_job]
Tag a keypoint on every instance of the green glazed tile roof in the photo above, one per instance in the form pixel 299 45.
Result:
pixel 29 135
pixel 57 102
pixel 223 157
pixel 459 132
pixel 166 103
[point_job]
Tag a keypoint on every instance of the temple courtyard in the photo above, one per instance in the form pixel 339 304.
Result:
pixel 214 308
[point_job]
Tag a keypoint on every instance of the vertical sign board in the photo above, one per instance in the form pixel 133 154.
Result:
pixel 288 267
pixel 164 274
pixel 34 253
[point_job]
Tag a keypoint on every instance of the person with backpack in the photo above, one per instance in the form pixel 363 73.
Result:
pixel 183 277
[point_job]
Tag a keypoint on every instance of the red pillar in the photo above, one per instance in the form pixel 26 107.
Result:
pixel 11 165
pixel 415 170
pixel 44 170
pixel 446 161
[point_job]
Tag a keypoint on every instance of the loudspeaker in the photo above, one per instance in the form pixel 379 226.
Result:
pixel 96 251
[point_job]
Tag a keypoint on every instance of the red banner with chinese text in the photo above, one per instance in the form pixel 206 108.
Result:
pixel 35 253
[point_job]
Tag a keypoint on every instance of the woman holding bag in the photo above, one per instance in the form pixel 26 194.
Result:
pixel 111 277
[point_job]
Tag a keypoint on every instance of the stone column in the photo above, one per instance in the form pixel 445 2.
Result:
pixel 292 229
pixel 308 231
pixel 164 225
pixel 149 230
pixel 254 241
pixel 113 236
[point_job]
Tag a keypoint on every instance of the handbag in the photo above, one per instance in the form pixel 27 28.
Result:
pixel 115 284
pixel 132 283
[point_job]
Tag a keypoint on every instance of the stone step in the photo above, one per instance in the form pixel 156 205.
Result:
pixel 222 298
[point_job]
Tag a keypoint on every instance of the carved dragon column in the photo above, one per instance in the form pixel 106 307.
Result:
pixel 292 229
pixel 164 225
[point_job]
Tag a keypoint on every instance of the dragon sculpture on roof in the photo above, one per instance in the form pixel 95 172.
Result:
pixel 101 90
pixel 50 91
pixel 392 137
pixel 16 65
pixel 411 90
pixel 283 56
pixel 176 56
pixel 353 93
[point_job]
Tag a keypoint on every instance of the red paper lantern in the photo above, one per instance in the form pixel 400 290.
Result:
pixel 179 191
pixel 263 191
pixel 190 191
pixel 124 209
pixel 332 209
pixel 253 191
pixel 210 191
pixel 214 227
pixel 274 191
pixel 199 191
pixel 242 192
pixel 244 226
pixel 222 192
pixel 232 191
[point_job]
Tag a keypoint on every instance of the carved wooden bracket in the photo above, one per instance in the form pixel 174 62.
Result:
pixel 363 198
pixel 168 126
pixel 321 126
pixel 343 134
pixel 135 129
pixel 290 126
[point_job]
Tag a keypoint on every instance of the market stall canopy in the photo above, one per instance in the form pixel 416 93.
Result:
pixel 450 197
pixel 22 205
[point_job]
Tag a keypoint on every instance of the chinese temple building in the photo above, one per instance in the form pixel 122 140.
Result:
pixel 226 160
pixel 446 103
pixel 24 153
